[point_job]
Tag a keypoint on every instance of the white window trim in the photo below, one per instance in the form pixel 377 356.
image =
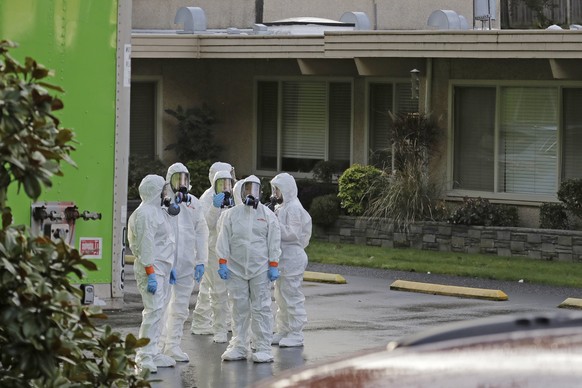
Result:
pixel 504 197
pixel 279 80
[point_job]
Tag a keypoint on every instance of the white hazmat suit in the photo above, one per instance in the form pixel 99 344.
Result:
pixel 295 224
pixel 191 251
pixel 249 243
pixel 212 316
pixel 151 240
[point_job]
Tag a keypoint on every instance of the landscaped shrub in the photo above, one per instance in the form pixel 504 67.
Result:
pixel 570 193
pixel 47 337
pixel 553 216
pixel 405 196
pixel 505 215
pixel 413 137
pixel 139 167
pixel 198 170
pixel 354 188
pixel 479 211
pixel 194 134
pixel 325 210
pixel 324 170
pixel 308 189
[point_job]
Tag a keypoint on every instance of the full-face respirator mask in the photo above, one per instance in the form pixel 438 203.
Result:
pixel 251 194
pixel 275 199
pixel 176 192
pixel 224 185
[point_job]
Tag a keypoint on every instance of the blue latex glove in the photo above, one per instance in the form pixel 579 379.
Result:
pixel 217 200
pixel 273 273
pixel 173 276
pixel 199 272
pixel 152 283
pixel 223 271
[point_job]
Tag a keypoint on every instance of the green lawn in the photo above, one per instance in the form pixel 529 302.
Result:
pixel 556 273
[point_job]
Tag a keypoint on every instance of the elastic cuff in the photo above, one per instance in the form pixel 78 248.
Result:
pixel 273 264
pixel 149 269
pixel 221 261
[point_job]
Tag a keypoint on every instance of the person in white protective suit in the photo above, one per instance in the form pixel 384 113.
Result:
pixel 222 200
pixel 151 240
pixel 249 246
pixel 212 316
pixel 295 224
pixel 190 258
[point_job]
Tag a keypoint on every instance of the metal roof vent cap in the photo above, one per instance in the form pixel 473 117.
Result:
pixel 194 19
pixel 444 19
pixel 359 19
pixel 464 24
pixel 260 29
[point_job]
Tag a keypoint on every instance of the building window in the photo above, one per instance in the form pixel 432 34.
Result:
pixel 385 97
pixel 142 120
pixel 572 138
pixel 507 138
pixel 300 123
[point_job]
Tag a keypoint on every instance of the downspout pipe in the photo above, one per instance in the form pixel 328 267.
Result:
pixel 428 88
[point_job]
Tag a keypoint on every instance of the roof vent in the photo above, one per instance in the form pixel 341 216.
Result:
pixel 445 19
pixel 359 19
pixel 260 29
pixel 194 19
pixel 464 24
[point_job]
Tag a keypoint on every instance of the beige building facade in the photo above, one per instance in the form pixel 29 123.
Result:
pixel 383 15
pixel 508 101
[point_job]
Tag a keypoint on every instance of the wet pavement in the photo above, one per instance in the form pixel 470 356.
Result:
pixel 343 319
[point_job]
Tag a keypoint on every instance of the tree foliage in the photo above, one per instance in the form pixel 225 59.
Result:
pixel 47 337
pixel 194 136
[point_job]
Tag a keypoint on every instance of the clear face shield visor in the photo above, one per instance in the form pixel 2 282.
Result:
pixel 180 182
pixel 223 185
pixel 276 193
pixel 251 188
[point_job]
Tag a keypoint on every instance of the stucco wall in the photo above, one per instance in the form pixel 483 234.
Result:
pixel 156 14
pixel 387 15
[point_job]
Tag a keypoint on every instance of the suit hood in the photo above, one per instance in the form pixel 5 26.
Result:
pixel 286 184
pixel 150 189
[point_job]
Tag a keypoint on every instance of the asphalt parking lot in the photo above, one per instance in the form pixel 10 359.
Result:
pixel 344 319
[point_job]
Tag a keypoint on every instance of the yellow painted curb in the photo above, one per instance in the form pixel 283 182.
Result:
pixel 439 289
pixel 321 277
pixel 572 303
pixel 129 259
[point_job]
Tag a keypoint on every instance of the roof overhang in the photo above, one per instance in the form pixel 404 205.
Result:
pixel 497 44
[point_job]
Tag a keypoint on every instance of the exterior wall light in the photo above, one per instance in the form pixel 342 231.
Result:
pixel 414 83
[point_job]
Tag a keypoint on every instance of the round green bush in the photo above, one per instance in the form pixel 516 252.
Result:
pixel 479 211
pixel 553 216
pixel 354 188
pixel 324 210
pixel 570 193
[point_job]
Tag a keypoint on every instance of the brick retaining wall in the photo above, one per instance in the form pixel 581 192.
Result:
pixel 544 244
